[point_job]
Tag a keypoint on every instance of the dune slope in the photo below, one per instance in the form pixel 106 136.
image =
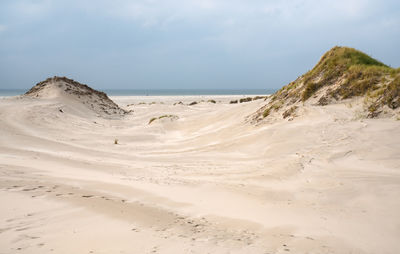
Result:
pixel 82 97
pixel 342 74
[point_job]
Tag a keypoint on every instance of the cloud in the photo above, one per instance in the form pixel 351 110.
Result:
pixel 158 9
pixel 27 8
pixel 232 40
pixel 3 28
pixel 153 13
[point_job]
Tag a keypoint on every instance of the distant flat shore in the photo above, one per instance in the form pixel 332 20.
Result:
pixel 162 92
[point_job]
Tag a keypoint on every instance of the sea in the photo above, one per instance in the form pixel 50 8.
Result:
pixel 162 92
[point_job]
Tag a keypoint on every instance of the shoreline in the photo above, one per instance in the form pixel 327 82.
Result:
pixel 164 92
pixel 178 98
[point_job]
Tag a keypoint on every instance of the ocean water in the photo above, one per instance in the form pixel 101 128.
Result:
pixel 12 92
pixel 162 92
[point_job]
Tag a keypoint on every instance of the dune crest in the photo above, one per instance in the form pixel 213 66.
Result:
pixel 65 89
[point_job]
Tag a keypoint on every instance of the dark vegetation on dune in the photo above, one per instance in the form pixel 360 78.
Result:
pixel 342 73
pixel 172 117
pixel 84 89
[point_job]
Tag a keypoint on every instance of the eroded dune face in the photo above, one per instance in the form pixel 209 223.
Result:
pixel 207 181
pixel 75 94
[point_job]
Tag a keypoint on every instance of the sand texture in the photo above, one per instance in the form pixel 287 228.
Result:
pixel 198 179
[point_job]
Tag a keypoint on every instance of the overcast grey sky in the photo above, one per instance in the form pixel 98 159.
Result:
pixel 154 44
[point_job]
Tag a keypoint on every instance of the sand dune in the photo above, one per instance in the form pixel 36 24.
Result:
pixel 76 97
pixel 207 181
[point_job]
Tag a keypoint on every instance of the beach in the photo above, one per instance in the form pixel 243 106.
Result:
pixel 170 177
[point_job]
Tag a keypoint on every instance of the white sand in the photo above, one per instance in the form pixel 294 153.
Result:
pixel 209 182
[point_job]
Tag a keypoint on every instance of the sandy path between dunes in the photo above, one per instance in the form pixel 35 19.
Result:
pixel 208 182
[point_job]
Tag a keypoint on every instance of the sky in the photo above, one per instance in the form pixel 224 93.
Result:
pixel 186 44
